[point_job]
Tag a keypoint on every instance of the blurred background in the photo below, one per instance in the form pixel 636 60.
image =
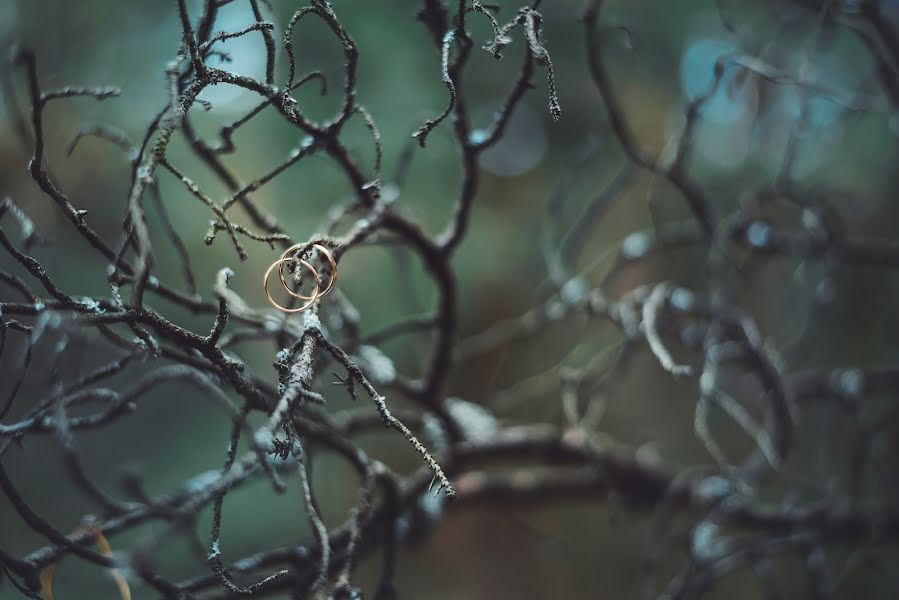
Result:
pixel 661 55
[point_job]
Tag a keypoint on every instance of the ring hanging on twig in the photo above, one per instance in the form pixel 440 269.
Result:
pixel 286 258
pixel 325 252
pixel 310 299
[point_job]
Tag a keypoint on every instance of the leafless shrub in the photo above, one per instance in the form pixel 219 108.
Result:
pixel 698 336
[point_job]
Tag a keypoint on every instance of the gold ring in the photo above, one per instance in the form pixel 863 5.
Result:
pixel 311 299
pixel 327 254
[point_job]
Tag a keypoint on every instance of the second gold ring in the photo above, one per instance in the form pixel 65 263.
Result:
pixel 324 252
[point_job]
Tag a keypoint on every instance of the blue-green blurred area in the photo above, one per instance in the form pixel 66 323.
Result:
pixel 661 56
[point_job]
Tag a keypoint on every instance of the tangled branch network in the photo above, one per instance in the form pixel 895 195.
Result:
pixel 734 368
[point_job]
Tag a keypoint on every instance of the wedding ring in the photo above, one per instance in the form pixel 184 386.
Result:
pixel 310 299
pixel 325 252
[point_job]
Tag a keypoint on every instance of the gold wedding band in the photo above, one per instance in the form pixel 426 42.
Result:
pixel 324 251
pixel 310 299
pixel 287 258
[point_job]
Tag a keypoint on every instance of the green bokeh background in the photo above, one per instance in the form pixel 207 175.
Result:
pixel 818 317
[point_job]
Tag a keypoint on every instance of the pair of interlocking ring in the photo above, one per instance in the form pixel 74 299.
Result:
pixel 290 255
